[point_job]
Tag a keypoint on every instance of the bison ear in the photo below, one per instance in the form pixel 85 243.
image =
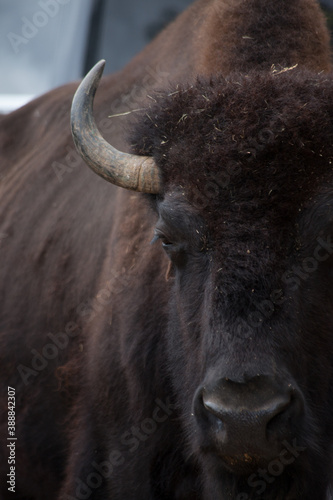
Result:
pixel 138 173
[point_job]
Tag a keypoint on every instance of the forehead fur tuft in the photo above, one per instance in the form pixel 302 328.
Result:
pixel 265 129
pixel 250 153
pixel 261 121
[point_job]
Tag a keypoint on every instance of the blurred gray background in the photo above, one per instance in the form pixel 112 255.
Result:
pixel 45 43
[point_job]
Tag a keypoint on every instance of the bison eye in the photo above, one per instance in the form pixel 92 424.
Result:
pixel 166 242
pixel 174 250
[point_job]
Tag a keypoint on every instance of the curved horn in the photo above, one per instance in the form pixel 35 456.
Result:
pixel 138 173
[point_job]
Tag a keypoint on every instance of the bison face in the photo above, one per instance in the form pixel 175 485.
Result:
pixel 246 221
pixel 250 347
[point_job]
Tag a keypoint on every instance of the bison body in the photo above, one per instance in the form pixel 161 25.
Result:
pixel 178 344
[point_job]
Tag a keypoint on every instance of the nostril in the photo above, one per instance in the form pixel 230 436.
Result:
pixel 246 422
pixel 213 412
pixel 213 406
pixel 284 417
pixel 257 412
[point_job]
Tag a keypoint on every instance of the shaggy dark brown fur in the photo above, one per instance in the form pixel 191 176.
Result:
pixel 257 149
pixel 247 164
pixel 109 340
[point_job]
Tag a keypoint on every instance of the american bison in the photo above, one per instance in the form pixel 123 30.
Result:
pixel 168 334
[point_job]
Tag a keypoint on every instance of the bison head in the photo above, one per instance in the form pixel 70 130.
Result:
pixel 241 182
